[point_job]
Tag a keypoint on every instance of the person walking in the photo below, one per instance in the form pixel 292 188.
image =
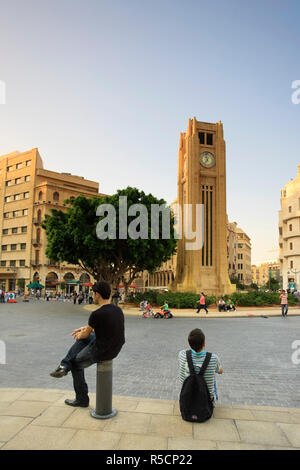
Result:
pixel 284 303
pixel 202 303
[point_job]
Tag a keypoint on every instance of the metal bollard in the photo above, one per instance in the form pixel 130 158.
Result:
pixel 104 408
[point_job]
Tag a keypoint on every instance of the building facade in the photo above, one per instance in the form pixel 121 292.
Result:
pixel 244 272
pixel 202 180
pixel 289 233
pixel 263 273
pixel 27 193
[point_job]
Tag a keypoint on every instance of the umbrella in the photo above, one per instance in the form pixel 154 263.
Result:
pixel 35 285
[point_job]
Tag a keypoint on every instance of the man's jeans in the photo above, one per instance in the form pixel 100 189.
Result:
pixel 80 356
pixel 284 309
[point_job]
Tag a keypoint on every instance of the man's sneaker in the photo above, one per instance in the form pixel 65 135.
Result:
pixel 60 371
pixel 76 403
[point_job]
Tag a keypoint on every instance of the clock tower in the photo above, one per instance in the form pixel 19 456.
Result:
pixel 202 180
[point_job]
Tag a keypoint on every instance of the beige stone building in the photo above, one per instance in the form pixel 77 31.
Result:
pixel 232 248
pixel 226 250
pixel 244 273
pixel 265 271
pixel 27 193
pixel 289 233
pixel 202 180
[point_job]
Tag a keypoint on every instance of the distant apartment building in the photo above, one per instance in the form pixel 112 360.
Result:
pixel 232 249
pixel 27 193
pixel 289 233
pixel 261 274
pixel 244 273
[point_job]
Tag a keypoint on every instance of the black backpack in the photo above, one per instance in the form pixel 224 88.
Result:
pixel 195 401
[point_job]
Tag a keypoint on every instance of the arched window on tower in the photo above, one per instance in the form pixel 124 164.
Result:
pixel 56 196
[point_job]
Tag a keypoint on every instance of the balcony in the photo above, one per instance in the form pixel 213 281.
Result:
pixel 36 242
pixel 36 221
pixel 35 262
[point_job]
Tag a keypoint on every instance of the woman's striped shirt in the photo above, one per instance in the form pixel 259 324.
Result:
pixel 198 358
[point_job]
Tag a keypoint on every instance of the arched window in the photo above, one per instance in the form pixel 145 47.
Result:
pixel 84 278
pixel 40 195
pixel 38 235
pixel 51 280
pixel 56 196
pixel 39 215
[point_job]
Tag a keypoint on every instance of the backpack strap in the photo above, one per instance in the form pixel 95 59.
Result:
pixel 205 363
pixel 190 362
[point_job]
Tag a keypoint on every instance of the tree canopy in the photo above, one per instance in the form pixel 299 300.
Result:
pixel 73 235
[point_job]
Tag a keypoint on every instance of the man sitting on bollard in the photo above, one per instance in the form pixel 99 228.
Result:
pixel 101 340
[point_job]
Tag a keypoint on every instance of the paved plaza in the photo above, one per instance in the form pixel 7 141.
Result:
pixel 256 353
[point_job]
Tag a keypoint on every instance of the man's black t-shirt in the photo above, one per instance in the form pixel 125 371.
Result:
pixel 108 323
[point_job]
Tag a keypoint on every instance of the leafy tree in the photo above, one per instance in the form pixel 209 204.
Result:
pixel 21 283
pixel 72 237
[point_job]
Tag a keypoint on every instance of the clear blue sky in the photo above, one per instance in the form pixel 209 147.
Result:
pixel 103 89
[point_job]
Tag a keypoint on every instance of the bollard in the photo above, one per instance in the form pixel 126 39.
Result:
pixel 104 408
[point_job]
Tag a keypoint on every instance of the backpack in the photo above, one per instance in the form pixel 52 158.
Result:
pixel 195 401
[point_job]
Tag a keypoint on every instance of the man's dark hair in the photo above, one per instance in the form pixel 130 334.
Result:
pixel 103 288
pixel 196 339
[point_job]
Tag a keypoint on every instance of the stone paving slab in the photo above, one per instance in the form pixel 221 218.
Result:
pixel 44 422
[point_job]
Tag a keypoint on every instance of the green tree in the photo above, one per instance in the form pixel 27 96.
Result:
pixel 72 237
pixel 21 283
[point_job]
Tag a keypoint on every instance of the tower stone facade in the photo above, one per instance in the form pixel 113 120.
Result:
pixel 202 180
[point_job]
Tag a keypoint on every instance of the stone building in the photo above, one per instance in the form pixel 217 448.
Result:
pixel 244 273
pixel 202 180
pixel 27 193
pixel 226 250
pixel 289 233
pixel 262 273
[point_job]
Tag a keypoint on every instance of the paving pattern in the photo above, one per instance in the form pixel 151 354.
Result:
pixel 256 353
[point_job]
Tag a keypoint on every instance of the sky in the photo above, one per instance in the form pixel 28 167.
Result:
pixel 104 88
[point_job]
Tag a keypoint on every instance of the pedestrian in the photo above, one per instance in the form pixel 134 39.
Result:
pixel 202 303
pixel 196 340
pixel 74 297
pixel 284 303
pixel 101 340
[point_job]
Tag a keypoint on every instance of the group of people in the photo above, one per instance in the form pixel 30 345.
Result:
pixel 103 338
pixel 223 305
pixel 5 295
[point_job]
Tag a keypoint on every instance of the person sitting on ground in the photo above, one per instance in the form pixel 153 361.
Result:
pixel 222 305
pixel 101 340
pixel 143 304
pixel 231 305
pixel 196 340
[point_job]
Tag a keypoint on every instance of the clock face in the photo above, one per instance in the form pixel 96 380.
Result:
pixel 207 159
